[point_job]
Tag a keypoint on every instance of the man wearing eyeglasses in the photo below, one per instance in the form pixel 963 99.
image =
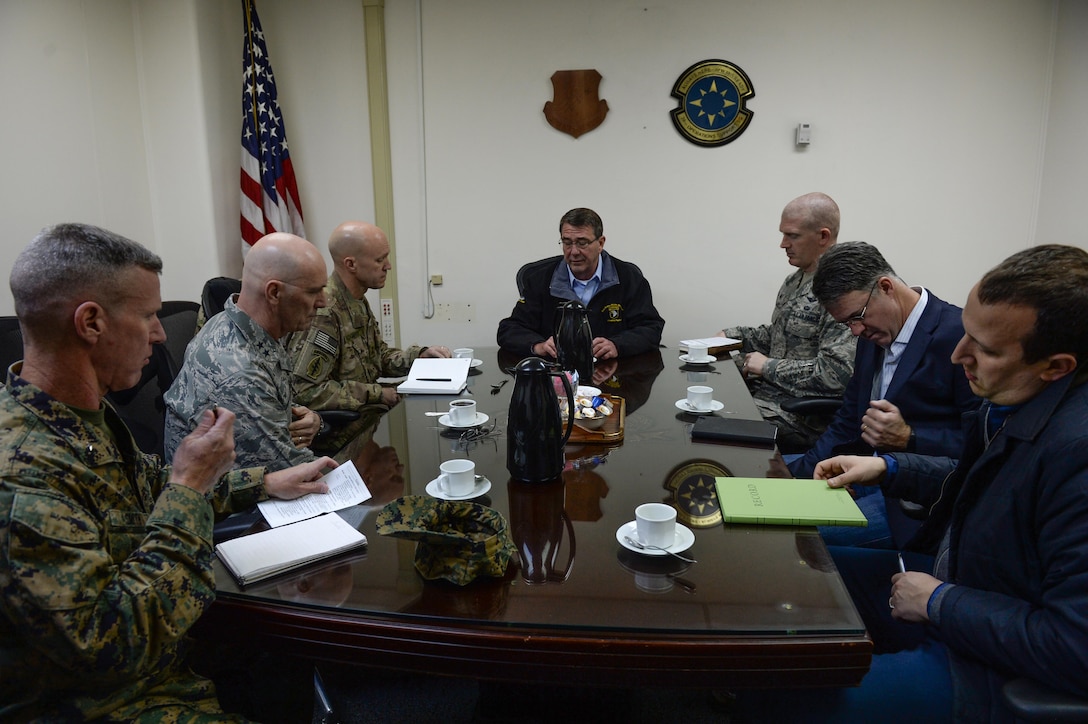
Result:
pixel 905 393
pixel 621 309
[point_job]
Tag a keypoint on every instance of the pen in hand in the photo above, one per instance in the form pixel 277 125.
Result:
pixel 902 566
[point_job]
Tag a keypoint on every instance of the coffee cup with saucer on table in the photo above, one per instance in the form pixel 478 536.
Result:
pixel 467 353
pixel 655 532
pixel 700 401
pixel 698 354
pixel 462 414
pixel 458 481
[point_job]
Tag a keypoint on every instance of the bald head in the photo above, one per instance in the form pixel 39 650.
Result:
pixel 283 282
pixel 360 253
pixel 815 211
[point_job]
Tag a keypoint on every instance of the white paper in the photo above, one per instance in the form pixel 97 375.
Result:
pixel 436 376
pixel 346 488
pixel 710 342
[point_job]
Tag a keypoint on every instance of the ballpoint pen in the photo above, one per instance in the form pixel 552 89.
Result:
pixel 902 566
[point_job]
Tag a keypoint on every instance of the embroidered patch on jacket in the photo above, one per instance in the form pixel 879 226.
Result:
pixel 316 366
pixel 613 312
pixel 324 341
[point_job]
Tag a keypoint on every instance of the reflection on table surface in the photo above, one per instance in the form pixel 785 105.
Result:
pixel 751 584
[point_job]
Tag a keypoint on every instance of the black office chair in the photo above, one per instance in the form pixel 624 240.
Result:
pixel 11 344
pixel 142 406
pixel 214 296
pixel 822 409
pixel 1031 701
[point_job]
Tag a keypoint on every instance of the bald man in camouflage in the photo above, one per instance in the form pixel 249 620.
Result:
pixel 337 363
pixel 238 360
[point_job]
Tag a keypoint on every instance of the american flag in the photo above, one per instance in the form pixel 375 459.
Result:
pixel 270 199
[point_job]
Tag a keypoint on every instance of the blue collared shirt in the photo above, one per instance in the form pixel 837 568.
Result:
pixel 586 289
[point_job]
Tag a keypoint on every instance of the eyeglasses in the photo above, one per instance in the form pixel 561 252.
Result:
pixel 580 243
pixel 859 318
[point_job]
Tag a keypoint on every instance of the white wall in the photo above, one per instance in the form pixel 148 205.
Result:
pixel 950 134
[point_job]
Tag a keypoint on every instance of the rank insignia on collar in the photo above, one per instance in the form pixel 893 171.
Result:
pixel 713 97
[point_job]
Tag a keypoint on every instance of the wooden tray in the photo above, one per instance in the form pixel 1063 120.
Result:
pixel 611 431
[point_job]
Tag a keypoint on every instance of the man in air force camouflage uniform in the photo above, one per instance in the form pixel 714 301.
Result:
pixel 238 361
pixel 338 361
pixel 803 352
pixel 105 554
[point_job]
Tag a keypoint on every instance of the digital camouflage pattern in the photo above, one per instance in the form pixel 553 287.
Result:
pixel 458 541
pixel 809 355
pixel 234 363
pixel 104 567
pixel 338 361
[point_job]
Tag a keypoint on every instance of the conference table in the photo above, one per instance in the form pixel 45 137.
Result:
pixel 763 606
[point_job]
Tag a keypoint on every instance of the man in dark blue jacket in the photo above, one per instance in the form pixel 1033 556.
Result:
pixel 621 308
pixel 1008 523
pixel 905 393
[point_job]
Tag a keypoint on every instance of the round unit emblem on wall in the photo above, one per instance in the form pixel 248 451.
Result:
pixel 713 97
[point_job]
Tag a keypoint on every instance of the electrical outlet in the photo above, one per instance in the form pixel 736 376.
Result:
pixel 388 332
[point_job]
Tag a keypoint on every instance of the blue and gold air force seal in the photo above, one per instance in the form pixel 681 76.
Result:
pixel 713 109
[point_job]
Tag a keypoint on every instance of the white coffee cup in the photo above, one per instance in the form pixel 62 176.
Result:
pixel 700 397
pixel 463 352
pixel 656 524
pixel 698 353
pixel 463 412
pixel 458 477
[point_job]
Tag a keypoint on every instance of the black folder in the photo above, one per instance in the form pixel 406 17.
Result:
pixel 711 428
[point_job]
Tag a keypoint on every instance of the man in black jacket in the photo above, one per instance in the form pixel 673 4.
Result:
pixel 617 296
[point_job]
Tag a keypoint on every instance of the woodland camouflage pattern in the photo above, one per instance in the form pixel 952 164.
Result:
pixel 104 567
pixel 458 541
pixel 235 364
pixel 810 355
pixel 338 361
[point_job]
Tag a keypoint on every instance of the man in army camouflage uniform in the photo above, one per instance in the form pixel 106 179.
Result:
pixel 338 361
pixel 802 352
pixel 237 359
pixel 105 554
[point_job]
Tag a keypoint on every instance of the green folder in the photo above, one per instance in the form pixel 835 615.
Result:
pixel 785 501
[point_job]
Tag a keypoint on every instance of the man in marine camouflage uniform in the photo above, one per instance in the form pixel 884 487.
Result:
pixel 802 352
pixel 237 360
pixel 338 361
pixel 105 554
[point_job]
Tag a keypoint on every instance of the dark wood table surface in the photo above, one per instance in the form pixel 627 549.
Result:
pixel 767 609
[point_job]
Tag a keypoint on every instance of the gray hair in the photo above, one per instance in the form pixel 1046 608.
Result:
pixel 852 266
pixel 68 264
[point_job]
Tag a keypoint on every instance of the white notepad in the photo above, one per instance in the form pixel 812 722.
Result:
pixel 346 488
pixel 255 557
pixel 436 376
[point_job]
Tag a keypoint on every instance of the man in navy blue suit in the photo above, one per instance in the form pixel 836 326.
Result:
pixel 905 395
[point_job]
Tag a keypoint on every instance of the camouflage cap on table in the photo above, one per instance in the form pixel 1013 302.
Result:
pixel 458 541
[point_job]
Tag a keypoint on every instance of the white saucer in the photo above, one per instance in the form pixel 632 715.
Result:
pixel 704 361
pixel 482 486
pixel 481 418
pixel 715 405
pixel 684 539
pixel 475 362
